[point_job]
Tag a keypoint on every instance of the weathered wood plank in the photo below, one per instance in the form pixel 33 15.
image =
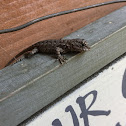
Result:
pixel 108 90
pixel 17 12
pixel 28 86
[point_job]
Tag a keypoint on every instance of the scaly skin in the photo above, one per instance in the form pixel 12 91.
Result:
pixel 57 47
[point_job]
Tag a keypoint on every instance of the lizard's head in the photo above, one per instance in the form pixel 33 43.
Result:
pixel 80 45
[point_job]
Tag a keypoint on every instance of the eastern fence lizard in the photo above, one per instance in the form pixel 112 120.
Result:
pixel 57 47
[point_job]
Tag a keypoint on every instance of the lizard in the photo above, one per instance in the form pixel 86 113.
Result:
pixel 53 46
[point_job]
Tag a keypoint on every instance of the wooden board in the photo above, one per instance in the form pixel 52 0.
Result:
pixel 17 12
pixel 30 85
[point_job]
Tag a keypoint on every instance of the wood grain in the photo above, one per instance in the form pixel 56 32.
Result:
pixel 17 12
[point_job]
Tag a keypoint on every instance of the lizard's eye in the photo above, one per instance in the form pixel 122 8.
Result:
pixel 83 44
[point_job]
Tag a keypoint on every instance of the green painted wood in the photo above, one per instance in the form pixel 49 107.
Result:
pixel 30 85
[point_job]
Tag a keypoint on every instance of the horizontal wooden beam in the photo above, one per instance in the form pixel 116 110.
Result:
pixel 30 85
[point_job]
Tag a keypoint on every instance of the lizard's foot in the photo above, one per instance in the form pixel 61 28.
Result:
pixel 62 60
pixel 29 54
pixel 60 57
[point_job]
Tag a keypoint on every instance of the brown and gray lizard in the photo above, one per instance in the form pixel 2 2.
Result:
pixel 57 47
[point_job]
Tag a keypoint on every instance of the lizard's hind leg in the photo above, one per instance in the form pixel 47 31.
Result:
pixel 30 53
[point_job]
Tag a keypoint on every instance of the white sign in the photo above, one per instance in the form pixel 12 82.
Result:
pixel 99 102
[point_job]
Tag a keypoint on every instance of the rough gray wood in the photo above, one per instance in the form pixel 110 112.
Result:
pixel 28 86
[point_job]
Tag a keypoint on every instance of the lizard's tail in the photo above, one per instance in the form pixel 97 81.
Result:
pixel 18 57
pixel 14 60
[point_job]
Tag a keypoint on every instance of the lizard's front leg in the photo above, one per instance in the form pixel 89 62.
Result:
pixel 60 57
pixel 30 53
